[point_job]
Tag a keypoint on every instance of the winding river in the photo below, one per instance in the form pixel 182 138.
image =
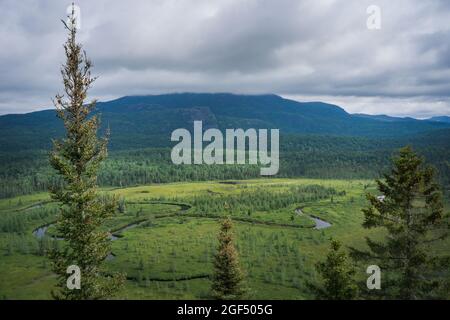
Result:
pixel 41 231
pixel 320 224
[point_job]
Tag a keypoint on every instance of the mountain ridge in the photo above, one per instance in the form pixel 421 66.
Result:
pixel 445 119
pixel 148 120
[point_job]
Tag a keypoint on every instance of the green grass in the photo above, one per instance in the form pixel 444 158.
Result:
pixel 169 254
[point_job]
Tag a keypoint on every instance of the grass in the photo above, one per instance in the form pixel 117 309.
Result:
pixel 169 254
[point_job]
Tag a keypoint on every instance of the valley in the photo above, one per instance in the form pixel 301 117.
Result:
pixel 168 251
pixel 164 235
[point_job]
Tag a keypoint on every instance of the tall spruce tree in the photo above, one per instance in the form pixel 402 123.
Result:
pixel 337 274
pixel 410 210
pixel 77 158
pixel 228 277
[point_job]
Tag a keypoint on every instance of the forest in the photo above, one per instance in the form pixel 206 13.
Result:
pixel 324 157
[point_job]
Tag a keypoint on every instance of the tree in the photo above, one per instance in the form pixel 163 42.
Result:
pixel 77 158
pixel 228 277
pixel 337 274
pixel 122 205
pixel 410 210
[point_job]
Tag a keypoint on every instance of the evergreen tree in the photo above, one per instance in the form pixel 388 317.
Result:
pixel 122 205
pixel 410 210
pixel 337 273
pixel 77 158
pixel 228 277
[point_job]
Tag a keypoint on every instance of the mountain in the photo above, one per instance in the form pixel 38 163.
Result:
pixel 383 117
pixel 444 119
pixel 147 121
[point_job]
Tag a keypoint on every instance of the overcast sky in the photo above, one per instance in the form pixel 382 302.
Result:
pixel 305 50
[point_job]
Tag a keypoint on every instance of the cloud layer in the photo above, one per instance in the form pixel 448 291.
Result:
pixel 320 50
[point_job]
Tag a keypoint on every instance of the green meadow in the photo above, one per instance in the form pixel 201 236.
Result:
pixel 164 236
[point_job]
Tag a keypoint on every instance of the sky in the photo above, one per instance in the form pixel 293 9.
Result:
pixel 312 50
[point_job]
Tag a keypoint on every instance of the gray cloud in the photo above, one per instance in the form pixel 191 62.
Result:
pixel 300 49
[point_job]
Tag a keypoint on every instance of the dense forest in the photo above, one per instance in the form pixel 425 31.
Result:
pixel 262 199
pixel 300 156
pixel 317 140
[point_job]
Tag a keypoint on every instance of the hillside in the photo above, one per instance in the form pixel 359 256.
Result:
pixel 318 140
pixel 147 121
pixel 444 119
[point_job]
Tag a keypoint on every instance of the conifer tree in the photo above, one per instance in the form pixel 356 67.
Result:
pixel 77 158
pixel 228 277
pixel 337 274
pixel 410 210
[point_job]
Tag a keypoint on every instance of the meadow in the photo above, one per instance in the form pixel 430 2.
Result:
pixel 164 236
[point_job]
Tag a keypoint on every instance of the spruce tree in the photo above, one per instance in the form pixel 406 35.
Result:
pixel 77 158
pixel 410 211
pixel 228 277
pixel 337 274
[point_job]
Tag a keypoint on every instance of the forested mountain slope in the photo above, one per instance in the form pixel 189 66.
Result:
pixel 147 121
